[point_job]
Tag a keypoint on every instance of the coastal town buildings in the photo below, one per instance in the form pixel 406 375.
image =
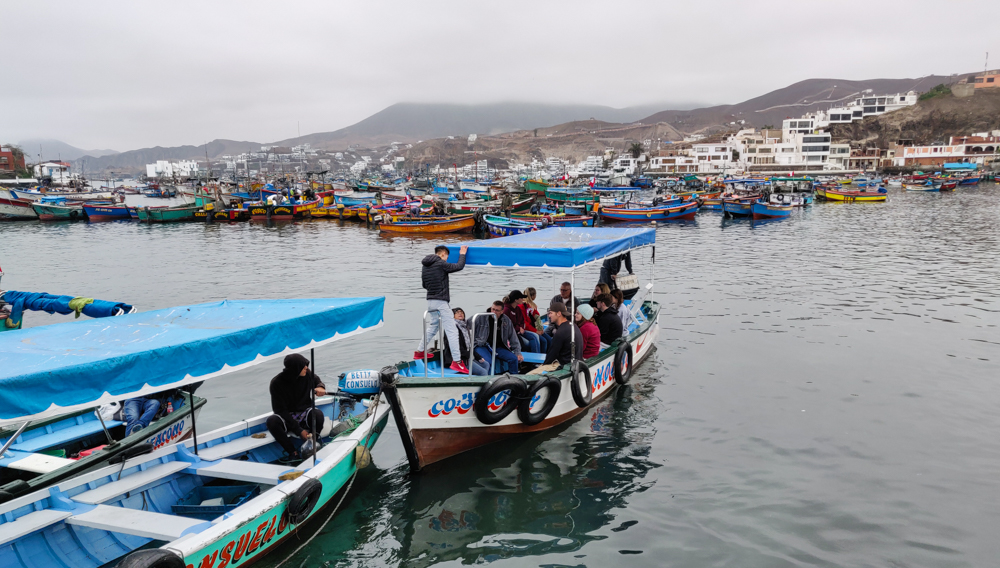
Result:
pixel 9 161
pixel 58 172
pixel 979 148
pixel 168 169
pixel 987 80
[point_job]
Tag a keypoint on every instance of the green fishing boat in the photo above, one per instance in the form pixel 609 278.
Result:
pixel 535 186
pixel 173 214
pixel 572 195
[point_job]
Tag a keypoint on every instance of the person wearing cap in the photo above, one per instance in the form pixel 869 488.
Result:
pixel 588 329
pixel 292 392
pixel 508 354
pixel 565 339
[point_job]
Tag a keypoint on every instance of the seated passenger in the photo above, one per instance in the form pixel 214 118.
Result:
pixel 533 319
pixel 508 355
pixel 564 339
pixel 139 413
pixel 512 309
pixel 292 402
pixel 607 319
pixel 588 329
pixel 624 313
pixel 478 367
pixel 601 288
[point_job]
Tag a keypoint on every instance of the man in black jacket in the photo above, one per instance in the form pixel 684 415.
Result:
pixel 612 266
pixel 565 340
pixel 435 280
pixel 292 402
pixel 607 319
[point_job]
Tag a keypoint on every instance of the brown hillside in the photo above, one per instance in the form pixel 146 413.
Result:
pixel 929 121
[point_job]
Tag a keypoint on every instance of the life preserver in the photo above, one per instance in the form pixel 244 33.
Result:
pixel 623 363
pixel 302 501
pixel 487 413
pixel 152 558
pixel 531 416
pixel 582 394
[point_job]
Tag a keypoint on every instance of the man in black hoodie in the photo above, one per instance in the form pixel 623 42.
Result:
pixel 435 280
pixel 292 402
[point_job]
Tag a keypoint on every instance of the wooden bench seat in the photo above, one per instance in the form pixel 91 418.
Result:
pixel 130 482
pixel 148 524
pixel 30 523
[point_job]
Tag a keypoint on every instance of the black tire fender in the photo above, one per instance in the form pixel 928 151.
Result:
pixel 152 558
pixel 582 394
pixel 623 363
pixel 74 214
pixel 303 500
pixel 524 411
pixel 495 386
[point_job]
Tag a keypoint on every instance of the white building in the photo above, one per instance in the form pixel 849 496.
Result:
pixel 713 158
pixel 164 168
pixel 861 107
pixel 58 171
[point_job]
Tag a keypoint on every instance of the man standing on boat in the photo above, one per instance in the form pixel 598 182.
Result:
pixel 612 266
pixel 435 280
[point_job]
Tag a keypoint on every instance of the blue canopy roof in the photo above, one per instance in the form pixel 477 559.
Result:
pixel 50 370
pixel 560 248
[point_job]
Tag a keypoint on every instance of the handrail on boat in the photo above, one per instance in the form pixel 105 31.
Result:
pixel 427 343
pixel 472 348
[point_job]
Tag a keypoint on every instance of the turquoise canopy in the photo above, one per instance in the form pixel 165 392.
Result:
pixel 50 370
pixel 558 248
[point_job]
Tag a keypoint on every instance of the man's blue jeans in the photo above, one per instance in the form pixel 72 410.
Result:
pixel 506 360
pixel 139 412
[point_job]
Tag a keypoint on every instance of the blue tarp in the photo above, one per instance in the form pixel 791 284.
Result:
pixel 959 166
pixel 84 363
pixel 43 302
pixel 555 248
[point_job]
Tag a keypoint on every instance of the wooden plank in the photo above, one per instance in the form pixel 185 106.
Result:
pixel 129 483
pixel 148 524
pixel 39 463
pixel 251 472
pixel 63 436
pixel 240 445
pixel 30 523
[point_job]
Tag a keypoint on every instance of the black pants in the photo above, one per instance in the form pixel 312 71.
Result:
pixel 276 426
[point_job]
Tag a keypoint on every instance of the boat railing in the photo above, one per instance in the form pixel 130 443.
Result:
pixel 638 300
pixel 472 349
pixel 427 343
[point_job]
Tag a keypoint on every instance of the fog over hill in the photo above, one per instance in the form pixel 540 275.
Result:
pixel 57 150
pixel 412 122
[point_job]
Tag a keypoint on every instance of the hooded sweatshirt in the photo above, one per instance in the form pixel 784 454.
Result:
pixel 435 276
pixel 292 394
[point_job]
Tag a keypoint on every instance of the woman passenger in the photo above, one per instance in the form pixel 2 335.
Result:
pixel 584 317
pixel 601 288
pixel 533 319
pixel 623 312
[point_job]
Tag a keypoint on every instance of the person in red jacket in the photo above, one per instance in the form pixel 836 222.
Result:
pixel 588 329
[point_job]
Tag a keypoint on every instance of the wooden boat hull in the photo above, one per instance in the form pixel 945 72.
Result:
pixel 59 212
pixel 769 211
pixel 535 186
pixel 851 196
pixel 504 227
pixel 461 208
pixel 420 225
pixel 167 214
pixel 643 214
pixel 437 417
pixel 282 212
pixel 16 209
pixel 969 181
pixel 738 208
pixel 99 213
pixel 927 188
pixel 560 220
pixel 712 204
pixel 949 185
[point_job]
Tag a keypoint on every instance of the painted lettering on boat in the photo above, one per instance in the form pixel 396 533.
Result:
pixel 167 435
pixel 602 375
pixel 464 404
pixel 248 544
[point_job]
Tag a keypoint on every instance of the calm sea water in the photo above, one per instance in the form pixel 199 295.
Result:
pixel 825 390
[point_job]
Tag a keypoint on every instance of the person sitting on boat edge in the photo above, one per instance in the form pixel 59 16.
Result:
pixel 434 277
pixel 612 266
pixel 566 337
pixel 479 366
pixel 508 355
pixel 624 313
pixel 292 403
pixel 607 319
pixel 584 317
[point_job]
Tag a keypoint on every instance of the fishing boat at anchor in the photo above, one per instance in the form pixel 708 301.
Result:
pixel 425 224
pixel 173 214
pixel 282 212
pixel 762 210
pixel 503 227
pixel 97 213
pixel 441 413
pixel 639 213
pixel 556 219
pixel 220 498
pixel 738 206
pixel 16 209
pixel 847 195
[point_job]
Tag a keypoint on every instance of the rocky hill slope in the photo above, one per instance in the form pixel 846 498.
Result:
pixel 929 121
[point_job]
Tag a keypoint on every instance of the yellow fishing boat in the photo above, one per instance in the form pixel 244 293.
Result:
pixel 426 225
pixel 850 195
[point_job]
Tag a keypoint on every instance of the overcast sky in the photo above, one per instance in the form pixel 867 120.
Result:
pixel 125 75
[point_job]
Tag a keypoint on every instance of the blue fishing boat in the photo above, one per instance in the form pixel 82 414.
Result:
pixel 761 210
pixel 738 207
pixel 220 498
pixel 503 227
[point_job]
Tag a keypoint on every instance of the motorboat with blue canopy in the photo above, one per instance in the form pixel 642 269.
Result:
pixel 227 496
pixel 52 377
pixel 441 413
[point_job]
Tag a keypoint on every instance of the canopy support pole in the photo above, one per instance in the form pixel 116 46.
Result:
pixel 13 438
pixel 111 441
pixel 572 320
pixel 194 426
pixel 312 421
pixel 493 361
